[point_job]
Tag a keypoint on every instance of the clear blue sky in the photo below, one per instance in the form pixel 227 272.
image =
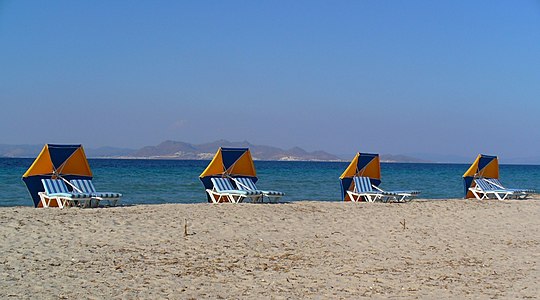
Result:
pixel 445 77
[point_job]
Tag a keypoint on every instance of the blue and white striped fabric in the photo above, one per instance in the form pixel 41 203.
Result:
pixel 494 182
pixel 86 186
pixel 485 186
pixel 247 184
pixel 224 185
pixel 497 184
pixel 273 193
pixel 363 184
pixel 57 187
pixel 54 186
pixel 364 188
pixel 397 193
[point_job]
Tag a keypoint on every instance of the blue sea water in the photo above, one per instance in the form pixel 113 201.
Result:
pixel 177 181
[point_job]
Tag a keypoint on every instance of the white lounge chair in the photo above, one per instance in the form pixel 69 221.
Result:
pixel 483 189
pixel 517 193
pixel 399 196
pixel 57 190
pixel 86 186
pixel 247 184
pixel 364 188
pixel 223 190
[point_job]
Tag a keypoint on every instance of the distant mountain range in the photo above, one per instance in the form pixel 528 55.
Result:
pixel 182 150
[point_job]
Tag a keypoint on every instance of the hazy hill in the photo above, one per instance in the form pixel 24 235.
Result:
pixel 182 150
pixel 167 148
pixel 19 150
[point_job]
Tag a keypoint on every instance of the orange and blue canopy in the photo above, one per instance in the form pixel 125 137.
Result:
pixel 229 162
pixel 56 161
pixel 485 166
pixel 365 165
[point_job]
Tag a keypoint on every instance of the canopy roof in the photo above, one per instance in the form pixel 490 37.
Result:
pixel 486 166
pixel 54 161
pixel 363 164
pixel 229 162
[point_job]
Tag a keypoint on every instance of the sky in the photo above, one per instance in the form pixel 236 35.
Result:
pixel 398 77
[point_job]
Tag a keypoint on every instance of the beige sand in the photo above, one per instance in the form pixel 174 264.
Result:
pixel 446 249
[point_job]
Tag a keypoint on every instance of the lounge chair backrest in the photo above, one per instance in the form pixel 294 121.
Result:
pixel 245 183
pixel 483 184
pixel 362 184
pixel 54 186
pixel 85 185
pixel 495 182
pixel 222 184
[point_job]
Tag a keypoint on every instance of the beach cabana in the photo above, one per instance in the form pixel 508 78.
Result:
pixel 229 163
pixel 362 178
pixel 66 162
pixel 485 166
pixel 482 180
pixel 362 165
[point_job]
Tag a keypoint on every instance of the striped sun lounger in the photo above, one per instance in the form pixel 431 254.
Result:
pixel 86 186
pixel 364 189
pixel 518 193
pixel 483 189
pixel 247 184
pixel 224 191
pixel 486 187
pixel 57 190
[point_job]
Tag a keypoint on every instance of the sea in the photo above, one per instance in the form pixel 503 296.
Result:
pixel 177 181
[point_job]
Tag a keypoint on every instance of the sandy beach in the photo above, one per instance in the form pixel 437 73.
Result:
pixel 423 249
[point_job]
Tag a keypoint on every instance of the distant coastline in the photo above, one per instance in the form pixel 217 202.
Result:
pixel 254 158
pixel 176 150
